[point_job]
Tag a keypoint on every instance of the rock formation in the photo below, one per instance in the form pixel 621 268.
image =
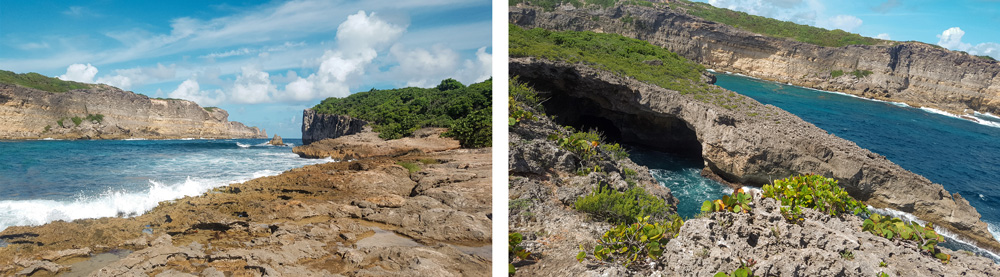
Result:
pixel 368 217
pixel 918 74
pixel 276 141
pixel 368 144
pixel 316 126
pixel 105 112
pixel 749 144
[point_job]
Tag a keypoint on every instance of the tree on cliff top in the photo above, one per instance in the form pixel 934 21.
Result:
pixel 396 113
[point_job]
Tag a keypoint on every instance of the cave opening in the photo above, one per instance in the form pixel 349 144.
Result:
pixel 588 107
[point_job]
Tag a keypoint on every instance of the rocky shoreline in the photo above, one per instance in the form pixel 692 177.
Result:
pixel 545 181
pixel 750 144
pixel 920 75
pixel 106 112
pixel 423 212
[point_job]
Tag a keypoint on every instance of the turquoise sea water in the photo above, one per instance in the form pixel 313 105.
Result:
pixel 46 180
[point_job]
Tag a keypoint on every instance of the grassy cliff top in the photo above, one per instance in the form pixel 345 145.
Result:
pixel 396 113
pixel 39 81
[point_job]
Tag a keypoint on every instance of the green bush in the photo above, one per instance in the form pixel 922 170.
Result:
pixel 861 73
pixel 210 109
pixel 629 243
pixel 814 192
pixel 77 120
pixel 515 251
pixel 745 269
pixel 39 81
pixel 47 128
pixel 96 118
pixel 613 206
pixel 396 113
pixel 738 203
pixel 520 94
pixel 836 73
pixel 411 167
pixel 60 122
pixel 893 227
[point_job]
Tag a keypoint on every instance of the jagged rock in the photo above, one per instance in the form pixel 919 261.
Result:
pixel 33 114
pixel 317 126
pixel 276 141
pixel 911 72
pixel 367 144
pixel 750 145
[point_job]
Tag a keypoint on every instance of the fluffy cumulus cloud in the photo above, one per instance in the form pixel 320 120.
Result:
pixel 127 78
pixel 190 90
pixel 252 86
pixel 952 39
pixel 843 22
pixel 799 11
pixel 80 73
pixel 884 36
pixel 425 67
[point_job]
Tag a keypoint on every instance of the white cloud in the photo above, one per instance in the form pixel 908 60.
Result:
pixel 34 46
pixel 127 78
pixel 799 11
pixel 190 90
pixel 884 36
pixel 991 49
pixel 80 73
pixel 478 70
pixel 424 68
pixel 843 22
pixel 952 39
pixel 252 86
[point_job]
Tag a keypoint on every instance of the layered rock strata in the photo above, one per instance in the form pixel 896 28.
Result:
pixel 317 126
pixel 105 112
pixel 749 144
pixel 918 74
pixel 368 217
pixel 368 144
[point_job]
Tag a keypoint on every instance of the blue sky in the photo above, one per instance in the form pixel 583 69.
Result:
pixel 263 61
pixel 965 25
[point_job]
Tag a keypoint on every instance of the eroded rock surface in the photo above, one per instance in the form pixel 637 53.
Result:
pixel 317 126
pixel 304 222
pixel 368 144
pixel 28 113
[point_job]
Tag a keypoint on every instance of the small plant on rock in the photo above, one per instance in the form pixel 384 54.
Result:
pixel 815 192
pixel 738 203
pixel 745 269
pixel 893 227
pixel 515 251
pixel 627 244
pixel 621 207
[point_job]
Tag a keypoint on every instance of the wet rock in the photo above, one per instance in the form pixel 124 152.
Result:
pixel 276 141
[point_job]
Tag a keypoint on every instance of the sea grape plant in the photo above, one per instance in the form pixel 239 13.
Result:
pixel 622 207
pixel 814 192
pixel 738 203
pixel 893 227
pixel 515 250
pixel 745 269
pixel 627 244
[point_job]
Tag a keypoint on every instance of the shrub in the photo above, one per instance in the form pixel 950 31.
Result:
pixel 514 250
pixel 210 109
pixel 77 120
pixel 627 244
pixel 738 203
pixel 96 118
pixel 745 269
pixel 411 167
pixel 449 84
pixel 814 192
pixel 47 128
pixel 861 73
pixel 893 227
pixel 39 81
pixel 520 94
pixel 622 207
pixel 836 73
pixel 474 130
pixel 60 122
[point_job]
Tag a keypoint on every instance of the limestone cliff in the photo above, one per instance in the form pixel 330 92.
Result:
pixel 317 126
pixel 751 144
pixel 105 112
pixel 914 73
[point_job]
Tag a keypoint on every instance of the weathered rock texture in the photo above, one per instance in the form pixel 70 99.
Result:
pixel 368 144
pixel 914 73
pixel 276 141
pixel 28 113
pixel 317 126
pixel 370 217
pixel 543 188
pixel 750 144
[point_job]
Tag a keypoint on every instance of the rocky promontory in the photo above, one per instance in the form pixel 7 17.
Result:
pixel 918 74
pixel 318 126
pixel 106 112
pixel 749 143
pixel 423 213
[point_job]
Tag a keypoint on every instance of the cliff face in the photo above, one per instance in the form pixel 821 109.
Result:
pixel 33 114
pixel 751 144
pixel 316 126
pixel 914 73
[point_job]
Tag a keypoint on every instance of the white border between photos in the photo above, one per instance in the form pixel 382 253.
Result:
pixel 500 143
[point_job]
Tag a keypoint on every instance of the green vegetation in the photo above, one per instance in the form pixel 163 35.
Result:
pixel 986 57
pixel 777 28
pixel 550 5
pixel 622 207
pixel 60 122
pixel 621 55
pixel 836 73
pixel 47 128
pixel 815 192
pixel 847 255
pixel 210 109
pixel 745 269
pixel 626 244
pixel 515 251
pixel 96 118
pixel 861 73
pixel 77 120
pixel 520 94
pixel 893 227
pixel 411 167
pixel 396 113
pixel 738 203
pixel 39 81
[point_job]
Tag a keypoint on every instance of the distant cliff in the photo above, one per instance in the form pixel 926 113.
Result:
pixel 317 127
pixel 914 73
pixel 106 112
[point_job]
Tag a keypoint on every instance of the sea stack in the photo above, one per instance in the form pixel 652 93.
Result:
pixel 276 141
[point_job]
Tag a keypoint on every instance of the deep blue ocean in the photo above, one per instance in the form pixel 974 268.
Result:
pixel 957 153
pixel 47 180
